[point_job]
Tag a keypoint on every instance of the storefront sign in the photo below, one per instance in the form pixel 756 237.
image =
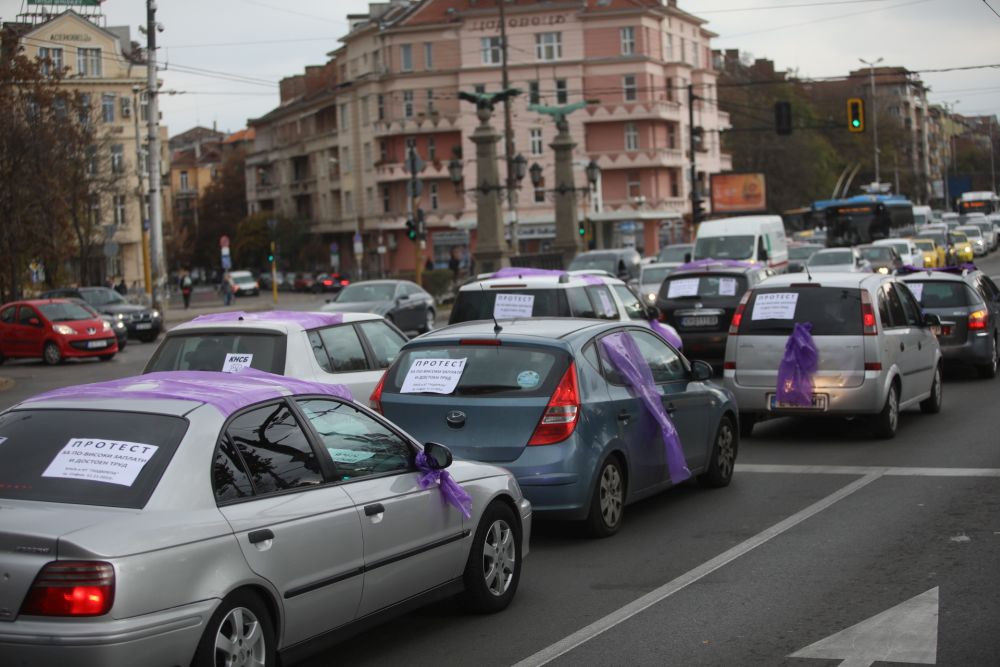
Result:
pixel 738 193
pixel 493 25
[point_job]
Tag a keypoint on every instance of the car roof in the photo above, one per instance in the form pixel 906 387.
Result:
pixel 889 241
pixel 571 279
pixel 714 268
pixel 832 279
pixel 293 322
pixel 547 328
pixel 659 265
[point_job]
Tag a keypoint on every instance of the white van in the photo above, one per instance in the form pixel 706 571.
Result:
pixel 922 215
pixel 751 238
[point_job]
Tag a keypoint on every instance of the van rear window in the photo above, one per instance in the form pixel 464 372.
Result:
pixel 207 350
pixel 478 305
pixel 833 311
pixel 703 286
pixel 942 294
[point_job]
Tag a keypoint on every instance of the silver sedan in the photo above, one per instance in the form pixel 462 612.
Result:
pixel 211 519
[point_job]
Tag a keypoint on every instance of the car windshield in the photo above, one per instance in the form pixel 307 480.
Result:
pixel 801 252
pixel 959 237
pixel 85 457
pixel 361 292
pixel 674 253
pixel 64 312
pixel 974 232
pixel 724 247
pixel 505 370
pixel 942 293
pixel 832 258
pixel 924 244
pixel 833 311
pixel 901 248
pixel 876 253
pixel 242 278
pixel 655 274
pixel 600 262
pixel 102 297
pixel 476 304
pixel 209 351
pixel 937 236
pixel 705 286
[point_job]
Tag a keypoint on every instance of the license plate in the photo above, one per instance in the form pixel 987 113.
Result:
pixel 93 344
pixel 145 325
pixel 700 321
pixel 818 403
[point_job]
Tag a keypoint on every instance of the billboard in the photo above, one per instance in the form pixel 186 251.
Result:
pixel 738 193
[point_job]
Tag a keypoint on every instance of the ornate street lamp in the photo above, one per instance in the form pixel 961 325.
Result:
pixel 520 163
pixel 593 173
pixel 536 174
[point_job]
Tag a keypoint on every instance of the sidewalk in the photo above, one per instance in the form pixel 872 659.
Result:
pixel 175 313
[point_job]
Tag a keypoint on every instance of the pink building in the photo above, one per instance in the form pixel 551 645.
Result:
pixel 393 85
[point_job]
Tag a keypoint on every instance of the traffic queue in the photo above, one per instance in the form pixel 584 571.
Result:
pixel 293 478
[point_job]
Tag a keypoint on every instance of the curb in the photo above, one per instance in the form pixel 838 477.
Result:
pixel 6 383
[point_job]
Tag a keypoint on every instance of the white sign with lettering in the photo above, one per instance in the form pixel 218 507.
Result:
pixel 775 306
pixel 510 306
pixel 917 289
pixel 435 376
pixel 236 362
pixel 110 461
pixel 683 287
pixel 727 286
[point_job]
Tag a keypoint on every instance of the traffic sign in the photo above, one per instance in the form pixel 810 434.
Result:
pixel 414 188
pixel 414 163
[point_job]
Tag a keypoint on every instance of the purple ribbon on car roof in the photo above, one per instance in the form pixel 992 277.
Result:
pixel 626 358
pixel 667 332
pixel 524 272
pixel 308 320
pixel 702 263
pixel 452 491
pixel 227 392
pixel 967 266
pixel 799 363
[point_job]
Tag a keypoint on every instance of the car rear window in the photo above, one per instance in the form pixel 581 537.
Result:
pixel 705 286
pixel 207 351
pixel 833 311
pixel 64 312
pixel 491 370
pixel 478 304
pixel 942 293
pixel 832 258
pixel 85 457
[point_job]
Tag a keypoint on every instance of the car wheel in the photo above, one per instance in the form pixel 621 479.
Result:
pixel 747 421
pixel 240 632
pixel 723 460
pixel 608 500
pixel 989 370
pixel 932 404
pixel 107 357
pixel 886 422
pixel 121 344
pixel 51 354
pixel 428 321
pixel 494 566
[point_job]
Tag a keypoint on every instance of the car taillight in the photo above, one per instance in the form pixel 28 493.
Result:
pixel 345 283
pixel 729 366
pixel 978 320
pixel 375 400
pixel 868 314
pixel 734 325
pixel 71 588
pixel 328 282
pixel 562 412
pixel 873 366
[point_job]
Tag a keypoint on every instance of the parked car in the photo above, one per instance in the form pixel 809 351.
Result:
pixel 541 398
pixel 975 236
pixel 266 282
pixel 622 263
pixel 651 277
pixel 54 330
pixel 303 282
pixel 330 282
pixel 402 302
pixel 676 254
pixel 837 260
pixel 990 236
pixel 351 349
pixel 699 302
pixel 142 322
pixel 799 254
pixel 750 238
pixel 877 351
pixel 907 250
pixel 119 328
pixel 968 303
pixel 244 284
pixel 881 258
pixel 933 255
pixel 232 520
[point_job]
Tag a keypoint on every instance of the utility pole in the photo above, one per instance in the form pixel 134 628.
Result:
pixel 508 134
pixel 692 147
pixel 153 142
pixel 414 188
pixel 143 220
pixel 874 105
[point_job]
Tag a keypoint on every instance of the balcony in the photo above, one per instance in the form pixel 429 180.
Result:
pixel 614 209
pixel 641 159
pixel 387 172
pixel 303 185
pixel 647 110
pixel 420 123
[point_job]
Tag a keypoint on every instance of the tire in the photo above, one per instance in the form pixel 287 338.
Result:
pixel 51 354
pixel 494 566
pixel 107 357
pixel 886 423
pixel 428 321
pixel 122 344
pixel 932 404
pixel 723 459
pixel 607 503
pixel 747 421
pixel 241 617
pixel 988 371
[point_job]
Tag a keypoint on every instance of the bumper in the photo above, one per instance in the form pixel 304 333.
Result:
pixel 142 329
pixel 556 479
pixel 80 348
pixel 524 510
pixel 867 398
pixel 166 638
pixel 977 349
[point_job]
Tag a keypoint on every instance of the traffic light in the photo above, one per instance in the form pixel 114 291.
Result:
pixel 698 209
pixel 421 225
pixel 783 118
pixel 411 229
pixel 855 115
pixel 582 228
pixel 270 257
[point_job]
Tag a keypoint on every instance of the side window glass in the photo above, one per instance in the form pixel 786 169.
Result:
pixel 229 475
pixel 579 303
pixel 883 310
pixel 910 308
pixel 897 316
pixel 604 303
pixel 25 314
pixel 7 315
pixel 664 363
pixel 383 341
pixel 275 450
pixel 590 354
pixel 991 288
pixel 344 349
pixel 316 343
pixel 357 444
pixel 631 302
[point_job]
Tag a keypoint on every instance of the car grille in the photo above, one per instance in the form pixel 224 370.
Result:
pixel 139 317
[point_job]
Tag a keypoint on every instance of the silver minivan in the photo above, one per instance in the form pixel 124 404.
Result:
pixel 878 353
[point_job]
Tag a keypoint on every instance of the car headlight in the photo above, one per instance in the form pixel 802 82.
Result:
pixel 119 316
pixel 64 330
pixel 105 326
pixel 156 314
pixel 651 297
pixel 119 325
pixel 883 270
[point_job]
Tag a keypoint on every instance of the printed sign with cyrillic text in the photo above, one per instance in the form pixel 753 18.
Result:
pixel 435 376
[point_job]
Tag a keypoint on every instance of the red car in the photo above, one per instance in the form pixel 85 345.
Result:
pixel 55 330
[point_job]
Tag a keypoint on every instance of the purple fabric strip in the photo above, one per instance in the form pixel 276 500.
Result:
pixel 525 272
pixel 591 279
pixel 451 490
pixel 227 392
pixel 967 266
pixel 308 320
pixel 703 263
pixel 799 363
pixel 624 355
pixel 668 333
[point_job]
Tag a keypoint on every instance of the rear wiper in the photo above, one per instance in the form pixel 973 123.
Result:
pixel 486 388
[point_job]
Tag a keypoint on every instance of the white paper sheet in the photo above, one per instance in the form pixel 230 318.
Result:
pixel 683 287
pixel 110 461
pixel 727 286
pixel 2 440
pixel 775 306
pixel 510 306
pixel 436 376
pixel 236 362
pixel 348 455
pixel 917 289
pixel 609 308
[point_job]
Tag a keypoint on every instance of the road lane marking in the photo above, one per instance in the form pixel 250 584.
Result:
pixel 657 595
pixel 890 471
pixel 906 633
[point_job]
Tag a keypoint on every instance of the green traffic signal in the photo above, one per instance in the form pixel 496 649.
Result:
pixel 583 230
pixel 270 258
pixel 856 123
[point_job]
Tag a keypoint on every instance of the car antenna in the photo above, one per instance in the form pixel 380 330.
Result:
pixel 806 267
pixel 496 325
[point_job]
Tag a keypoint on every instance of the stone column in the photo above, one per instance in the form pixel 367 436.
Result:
pixel 491 247
pixel 567 241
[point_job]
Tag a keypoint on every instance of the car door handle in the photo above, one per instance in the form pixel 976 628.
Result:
pixel 902 347
pixel 624 416
pixel 372 510
pixel 256 536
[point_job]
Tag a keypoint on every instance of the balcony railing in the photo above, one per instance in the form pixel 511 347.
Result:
pixel 645 158
pixel 420 122
pixel 657 109
pixel 396 171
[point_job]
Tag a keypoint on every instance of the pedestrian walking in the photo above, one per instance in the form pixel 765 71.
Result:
pixel 227 289
pixel 185 285
pixel 121 287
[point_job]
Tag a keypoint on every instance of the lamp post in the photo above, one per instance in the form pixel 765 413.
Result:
pixel 562 190
pixel 874 105
pixel 140 192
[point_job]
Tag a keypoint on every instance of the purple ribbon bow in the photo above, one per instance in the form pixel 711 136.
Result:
pixel 625 357
pixel 452 491
pixel 668 333
pixel 795 373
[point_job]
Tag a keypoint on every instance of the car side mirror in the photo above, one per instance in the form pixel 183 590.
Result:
pixel 438 456
pixel 931 320
pixel 35 322
pixel 701 370
pixel 402 297
pixel 687 257
pixel 652 313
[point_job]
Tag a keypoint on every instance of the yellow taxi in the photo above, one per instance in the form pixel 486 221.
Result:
pixel 933 254
pixel 961 247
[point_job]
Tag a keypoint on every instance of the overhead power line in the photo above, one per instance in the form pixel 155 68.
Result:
pixel 825 19
pixel 986 2
pixel 799 6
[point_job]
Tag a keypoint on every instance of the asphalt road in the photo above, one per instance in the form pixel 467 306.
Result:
pixel 828 544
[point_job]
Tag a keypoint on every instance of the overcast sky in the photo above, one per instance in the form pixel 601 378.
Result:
pixel 250 44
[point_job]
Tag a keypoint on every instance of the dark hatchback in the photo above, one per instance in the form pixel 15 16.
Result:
pixel 699 303
pixel 142 322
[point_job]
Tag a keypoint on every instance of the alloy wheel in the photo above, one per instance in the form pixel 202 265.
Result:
pixel 52 354
pixel 239 641
pixel 727 453
pixel 611 495
pixel 893 410
pixel 499 557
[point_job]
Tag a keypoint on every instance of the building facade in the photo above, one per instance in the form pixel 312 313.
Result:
pixel 335 150
pixel 195 156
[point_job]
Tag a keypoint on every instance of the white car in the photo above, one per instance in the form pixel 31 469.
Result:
pixel 837 260
pixel 907 249
pixel 651 277
pixel 351 349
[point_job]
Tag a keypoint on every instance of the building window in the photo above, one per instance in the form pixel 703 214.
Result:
pixel 52 60
pixel 84 108
pixel 381 107
pixel 668 47
pixel 383 151
pixel 348 203
pixel 119 204
pixel 628 88
pixel 434 196
pixel 695 52
pixel 536 141
pixel 144 106
pixel 534 93
pixel 431 149
pixel 405 58
pixel 548 46
pixel 671 135
pixel 126 106
pixel 364 110
pixel 411 145
pixel 386 199
pixel 562 92
pixel 491 49
pixel 95 209
pixel 628 41
pixel 632 185
pixel 428 55
pixel 407 104
pixel 631 137
pixel 91 165
pixel 683 50
pixel 345 116
pixel 430 101
pixel 88 62
pixel 480 88
pixel 369 200
pixel 368 156
pixel 185 183
pixel 117 158
pixel 108 107
pixel 540 192
pixel 345 159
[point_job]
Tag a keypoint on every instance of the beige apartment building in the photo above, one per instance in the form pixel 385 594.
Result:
pixel 334 150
